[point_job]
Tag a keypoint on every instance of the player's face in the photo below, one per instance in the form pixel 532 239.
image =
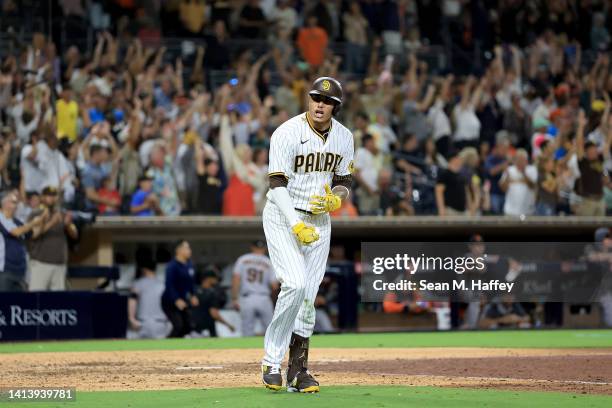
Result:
pixel 320 109
pixel 184 250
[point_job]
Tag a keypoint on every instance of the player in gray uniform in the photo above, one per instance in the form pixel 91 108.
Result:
pixel 311 161
pixel 145 314
pixel 253 283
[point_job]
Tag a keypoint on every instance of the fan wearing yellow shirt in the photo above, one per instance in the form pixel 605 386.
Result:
pixel 67 115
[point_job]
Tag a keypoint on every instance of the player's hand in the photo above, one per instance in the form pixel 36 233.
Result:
pixel 327 203
pixel 135 324
pixel 180 304
pixel 306 234
pixel 236 305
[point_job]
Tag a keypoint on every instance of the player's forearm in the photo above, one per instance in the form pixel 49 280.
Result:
pixel 285 204
pixel 439 191
pixel 235 287
pixel 214 313
pixel 132 304
pixel 344 181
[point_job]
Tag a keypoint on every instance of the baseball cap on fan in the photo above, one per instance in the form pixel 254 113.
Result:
pixel 49 190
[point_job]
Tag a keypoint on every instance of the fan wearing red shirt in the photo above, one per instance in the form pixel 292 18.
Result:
pixel 109 192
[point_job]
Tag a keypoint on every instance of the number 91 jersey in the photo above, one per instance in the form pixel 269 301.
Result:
pixel 256 274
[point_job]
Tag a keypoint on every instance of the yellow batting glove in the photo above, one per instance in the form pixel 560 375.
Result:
pixel 327 203
pixel 306 234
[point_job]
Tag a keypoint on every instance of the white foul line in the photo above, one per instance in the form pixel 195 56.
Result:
pixel 200 368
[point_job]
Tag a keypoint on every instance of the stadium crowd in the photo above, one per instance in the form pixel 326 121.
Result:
pixel 515 120
pixel 521 128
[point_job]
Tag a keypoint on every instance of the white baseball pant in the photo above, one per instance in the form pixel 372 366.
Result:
pixel 300 270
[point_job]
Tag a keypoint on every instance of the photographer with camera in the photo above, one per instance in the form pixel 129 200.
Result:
pixel 49 244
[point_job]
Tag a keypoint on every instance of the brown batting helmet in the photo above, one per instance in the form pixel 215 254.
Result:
pixel 329 87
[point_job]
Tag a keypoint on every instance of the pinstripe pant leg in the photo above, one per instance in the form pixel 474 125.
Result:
pixel 266 311
pixel 316 262
pixel 288 262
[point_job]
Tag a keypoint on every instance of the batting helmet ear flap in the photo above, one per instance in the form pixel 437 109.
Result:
pixel 336 109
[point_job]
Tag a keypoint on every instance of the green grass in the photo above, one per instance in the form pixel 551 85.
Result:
pixel 337 397
pixel 514 338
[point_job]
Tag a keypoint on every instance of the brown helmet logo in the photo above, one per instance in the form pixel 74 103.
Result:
pixel 326 85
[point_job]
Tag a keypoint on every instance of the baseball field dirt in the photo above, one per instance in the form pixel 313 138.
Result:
pixel 580 368
pixel 567 370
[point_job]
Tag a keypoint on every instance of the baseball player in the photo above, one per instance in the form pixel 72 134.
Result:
pixel 311 159
pixel 254 281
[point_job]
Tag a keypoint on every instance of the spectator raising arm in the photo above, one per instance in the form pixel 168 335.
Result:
pixel 476 98
pixel 97 56
pixel 232 161
pixel 200 156
pixel 428 99
pixel 4 156
pixel 582 121
pixel 110 57
pixel 197 72
pixel 497 66
pixel 412 69
pixel 28 227
pixel 178 76
pixel 46 224
pixel 440 203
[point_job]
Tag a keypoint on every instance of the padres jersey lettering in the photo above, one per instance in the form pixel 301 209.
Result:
pixel 323 162
pixel 308 158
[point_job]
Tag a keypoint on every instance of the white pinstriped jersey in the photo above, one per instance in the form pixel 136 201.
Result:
pixel 256 274
pixel 307 159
